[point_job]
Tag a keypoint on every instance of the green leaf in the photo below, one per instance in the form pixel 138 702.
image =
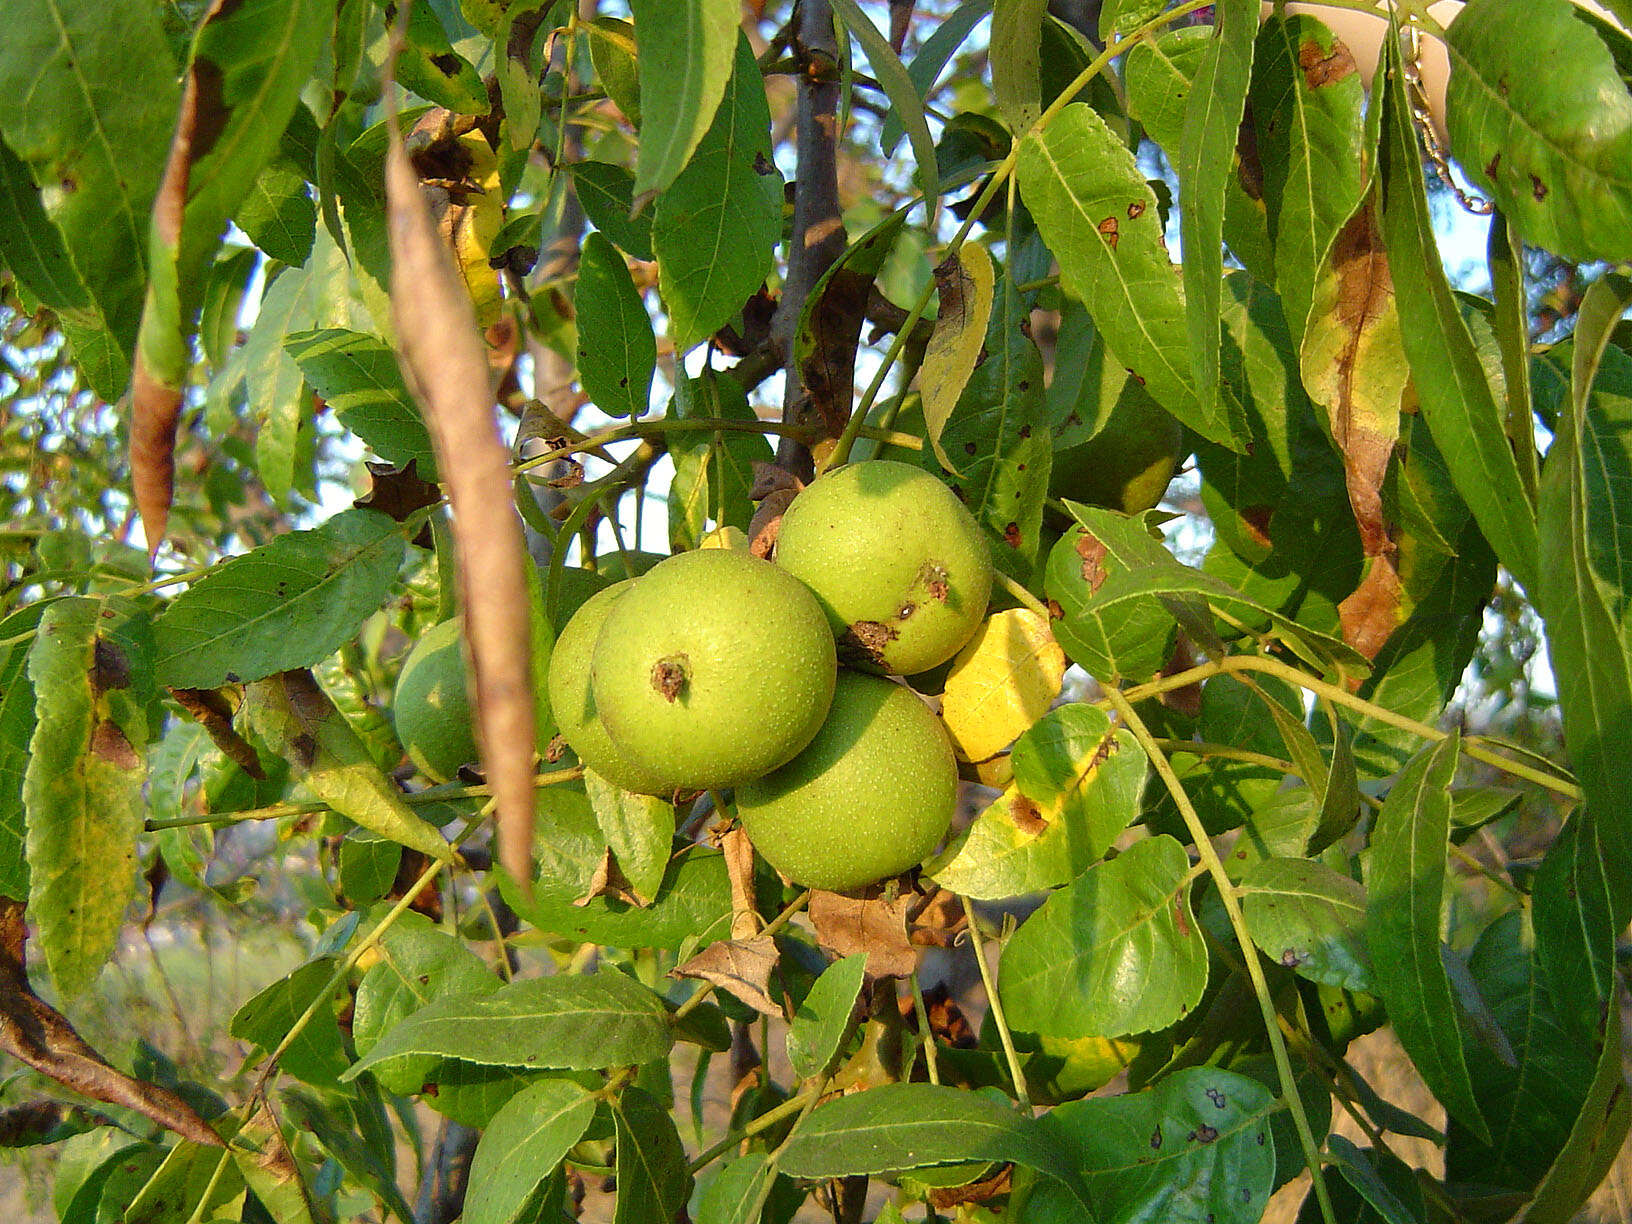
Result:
pixel 1573 900
pixel 1309 918
pixel 429 65
pixel 279 215
pixel 684 56
pixel 1161 71
pixel 933 55
pixel 195 1182
pixel 617 353
pixel 357 375
pixel 1310 134
pixel 905 102
pixel 277 1183
pixel 653 1184
pixel 999 435
pixel 693 903
pixel 1134 644
pixel 418 965
pixel 368 866
pixel 1554 150
pixel 1456 396
pixel 1016 36
pixel 572 1023
pixel 1586 582
pixel 32 248
pixel 1077 786
pixel 1193 1148
pixel 966 283
pixel 612 52
pixel 298 721
pixel 339 1127
pixel 736 1194
pixel 287 604
pixel 915 1126
pixel 713 472
pixel 522 1146
pixel 71 74
pixel 317 1054
pixel 16 730
pixel 607 194
pixel 1117 951
pixel 1205 161
pixel 91 670
pixel 826 1017
pixel 638 828
pixel 716 226
pixel 1369 1185
pixel 1100 218
pixel 1119 17
pixel 1405 888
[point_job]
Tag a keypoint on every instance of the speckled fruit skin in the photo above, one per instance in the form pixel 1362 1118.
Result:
pixel 715 668
pixel 431 707
pixel 897 561
pixel 871 796
pixel 573 700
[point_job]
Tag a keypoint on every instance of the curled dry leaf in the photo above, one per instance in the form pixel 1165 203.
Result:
pixel 609 881
pixel 766 526
pixel 38 1036
pixel 446 365
pixel 878 927
pixel 739 868
pixel 210 709
pixel 741 967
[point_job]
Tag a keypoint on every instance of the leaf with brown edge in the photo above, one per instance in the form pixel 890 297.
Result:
pixel 967 285
pixel 878 927
pixel 38 1036
pixel 445 364
pixel 741 967
pixel 830 323
pixel 739 869
pixel 246 69
pixel 1354 367
pixel 210 709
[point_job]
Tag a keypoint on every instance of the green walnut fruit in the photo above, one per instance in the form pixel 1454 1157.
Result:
pixel 897 561
pixel 870 797
pixel 1128 464
pixel 434 720
pixel 573 699
pixel 714 668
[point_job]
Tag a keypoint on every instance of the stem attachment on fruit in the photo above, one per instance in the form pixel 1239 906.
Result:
pixel 669 676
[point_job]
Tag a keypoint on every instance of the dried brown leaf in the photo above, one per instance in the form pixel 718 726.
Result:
pixel 768 479
pixel 878 927
pixel 400 493
pixel 210 709
pixel 742 967
pixel 446 365
pixel 40 1037
pixel 609 881
pixel 1372 612
pixel 739 867
pixel 766 526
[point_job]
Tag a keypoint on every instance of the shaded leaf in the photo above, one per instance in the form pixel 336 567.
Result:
pixel 1117 951
pixel 653 1182
pixel 287 604
pixel 616 368
pixel 638 828
pixel 357 376
pixel 1016 31
pixel 572 1023
pixel 713 471
pixel 16 730
pixel 607 195
pixel 522 1146
pixel 1405 886
pixel 1310 919
pixel 317 1054
pixel 905 102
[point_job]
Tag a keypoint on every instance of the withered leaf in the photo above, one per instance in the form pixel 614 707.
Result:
pixel 742 967
pixel 210 709
pixel 765 528
pixel 739 868
pixel 609 881
pixel 768 479
pixel 38 1036
pixel 1372 612
pixel 846 925
pixel 400 493
pixel 445 363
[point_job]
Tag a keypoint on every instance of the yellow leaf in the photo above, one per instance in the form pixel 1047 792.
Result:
pixel 966 282
pixel 472 226
pixel 1002 682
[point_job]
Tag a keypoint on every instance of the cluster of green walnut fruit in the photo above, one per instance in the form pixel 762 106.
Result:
pixel 718 670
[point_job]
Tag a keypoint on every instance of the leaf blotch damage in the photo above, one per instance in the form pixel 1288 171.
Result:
pixel 1322 67
pixel 1092 551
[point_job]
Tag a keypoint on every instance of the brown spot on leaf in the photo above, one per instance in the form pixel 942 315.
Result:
pixel 1092 551
pixel 1136 209
pixel 947 1197
pixel 1493 165
pixel 1026 815
pixel 1156 1139
pixel 969 448
pixel 1203 1134
pixel 762 164
pixel 1538 189
pixel 1321 68
pixel 1055 612
pixel 1110 230
pixel 1011 534
pixel 669 676
pixel 1290 958
pixel 1372 612
pixel 1179 917
pixel 108 743
pixel 1255 520
pixel 109 667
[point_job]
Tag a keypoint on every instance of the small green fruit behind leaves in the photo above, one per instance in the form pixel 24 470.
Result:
pixel 870 797
pixel 573 699
pixel 897 561
pixel 714 668
pixel 432 705
pixel 1128 464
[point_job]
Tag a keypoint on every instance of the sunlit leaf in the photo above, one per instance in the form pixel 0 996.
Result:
pixel 1001 682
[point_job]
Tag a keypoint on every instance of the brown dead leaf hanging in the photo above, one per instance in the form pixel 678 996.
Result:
pixel 741 967
pixel 845 925
pixel 446 366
